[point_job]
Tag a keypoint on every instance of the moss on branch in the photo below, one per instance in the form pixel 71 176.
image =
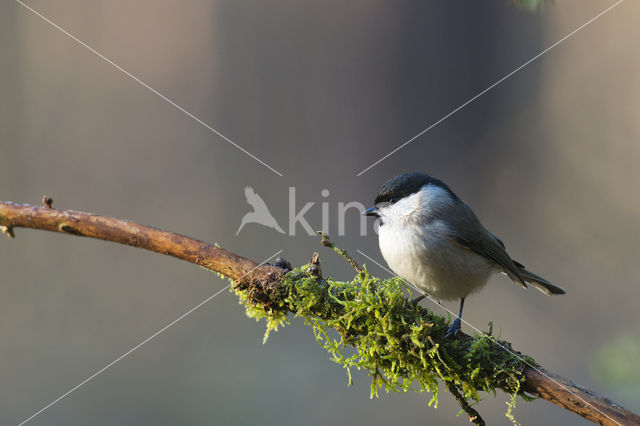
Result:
pixel 400 345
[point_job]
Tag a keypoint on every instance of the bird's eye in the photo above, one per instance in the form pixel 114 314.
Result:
pixel 392 200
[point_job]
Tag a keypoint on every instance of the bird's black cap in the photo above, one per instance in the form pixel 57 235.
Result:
pixel 406 184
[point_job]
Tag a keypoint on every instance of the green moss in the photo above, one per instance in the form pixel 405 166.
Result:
pixel 402 347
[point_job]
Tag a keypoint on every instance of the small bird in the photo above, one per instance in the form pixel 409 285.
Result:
pixel 433 240
pixel 260 213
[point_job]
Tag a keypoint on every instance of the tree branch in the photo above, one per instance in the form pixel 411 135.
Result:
pixel 474 416
pixel 132 234
pixel 584 402
pixel 262 284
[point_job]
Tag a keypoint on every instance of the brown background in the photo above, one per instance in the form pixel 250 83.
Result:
pixel 319 90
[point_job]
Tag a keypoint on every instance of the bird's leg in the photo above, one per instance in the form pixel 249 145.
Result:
pixel 454 328
pixel 415 301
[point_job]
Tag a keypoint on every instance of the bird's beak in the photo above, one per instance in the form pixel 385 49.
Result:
pixel 371 211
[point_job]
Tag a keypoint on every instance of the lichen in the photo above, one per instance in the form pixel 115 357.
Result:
pixel 400 345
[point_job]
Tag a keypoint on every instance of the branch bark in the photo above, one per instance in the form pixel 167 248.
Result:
pixel 132 234
pixel 263 280
pixel 584 402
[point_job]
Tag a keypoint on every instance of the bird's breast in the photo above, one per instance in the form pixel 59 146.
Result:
pixel 425 256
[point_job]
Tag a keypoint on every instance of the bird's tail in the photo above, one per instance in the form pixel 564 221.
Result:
pixel 538 282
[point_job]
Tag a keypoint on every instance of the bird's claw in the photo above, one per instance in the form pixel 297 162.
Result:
pixel 453 329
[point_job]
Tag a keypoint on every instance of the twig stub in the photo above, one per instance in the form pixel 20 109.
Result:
pixel 8 231
pixel 47 201
pixel 325 241
pixel 283 263
pixel 314 266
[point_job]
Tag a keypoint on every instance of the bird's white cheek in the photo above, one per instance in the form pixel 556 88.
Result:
pixel 404 208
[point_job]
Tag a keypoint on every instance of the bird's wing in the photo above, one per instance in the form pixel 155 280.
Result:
pixel 492 250
pixel 254 200
pixel 498 240
pixel 483 243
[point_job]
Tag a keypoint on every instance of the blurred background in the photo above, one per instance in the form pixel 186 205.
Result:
pixel 319 90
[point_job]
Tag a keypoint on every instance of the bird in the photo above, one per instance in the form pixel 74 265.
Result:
pixel 432 239
pixel 260 213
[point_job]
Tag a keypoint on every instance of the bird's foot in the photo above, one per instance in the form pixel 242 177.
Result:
pixel 454 329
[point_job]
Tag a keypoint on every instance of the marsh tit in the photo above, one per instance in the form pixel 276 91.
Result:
pixel 433 240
